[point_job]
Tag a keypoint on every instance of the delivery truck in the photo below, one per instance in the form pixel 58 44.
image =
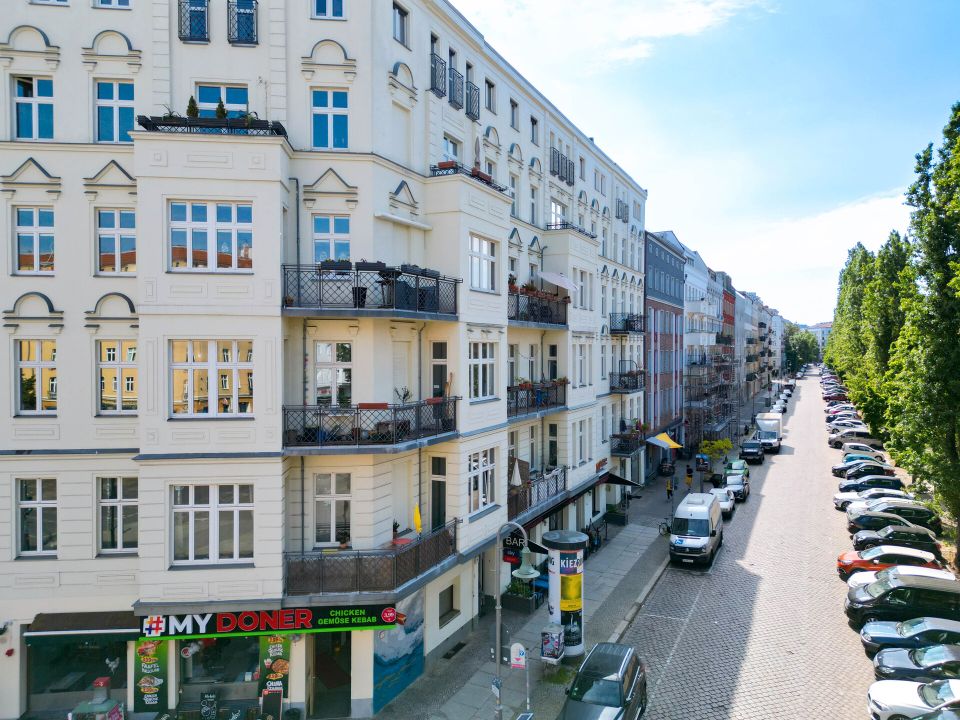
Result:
pixel 770 431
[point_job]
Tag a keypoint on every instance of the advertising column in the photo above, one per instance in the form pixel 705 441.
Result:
pixel 565 590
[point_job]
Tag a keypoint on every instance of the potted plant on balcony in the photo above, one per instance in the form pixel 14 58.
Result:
pixel 446 164
pixel 396 529
pixel 529 288
pixel 336 265
pixel 562 380
pixel 524 384
pixel 343 538
pixel 512 283
pixel 520 596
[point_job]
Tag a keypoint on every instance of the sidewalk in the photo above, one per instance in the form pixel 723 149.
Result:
pixel 625 568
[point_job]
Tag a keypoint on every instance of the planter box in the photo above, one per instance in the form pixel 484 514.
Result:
pixel 447 164
pixel 364 265
pixel 519 604
pixel 373 406
pixel 336 265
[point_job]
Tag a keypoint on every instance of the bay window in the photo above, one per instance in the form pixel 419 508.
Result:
pixel 199 229
pixel 211 378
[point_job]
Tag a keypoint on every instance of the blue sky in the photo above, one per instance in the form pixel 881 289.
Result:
pixel 771 135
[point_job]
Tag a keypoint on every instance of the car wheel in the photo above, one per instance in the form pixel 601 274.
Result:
pixel 898 717
pixel 870 619
pixel 838 445
pixel 643 702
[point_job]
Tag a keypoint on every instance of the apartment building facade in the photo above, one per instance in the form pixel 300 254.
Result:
pixel 288 366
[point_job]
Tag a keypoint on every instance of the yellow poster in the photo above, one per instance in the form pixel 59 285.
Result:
pixel 571 592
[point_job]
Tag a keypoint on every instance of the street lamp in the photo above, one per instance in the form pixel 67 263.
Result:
pixel 524 572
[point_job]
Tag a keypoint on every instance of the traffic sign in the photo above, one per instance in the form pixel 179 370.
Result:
pixel 518 656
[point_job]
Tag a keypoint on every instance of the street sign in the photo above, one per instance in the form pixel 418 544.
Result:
pixel 495 687
pixel 514 541
pixel 518 656
pixel 525 716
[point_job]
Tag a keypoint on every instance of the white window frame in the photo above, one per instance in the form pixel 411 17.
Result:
pixel 482 366
pixel 490 95
pixel 483 264
pixel 114 104
pixel 335 366
pixel 118 364
pixel 333 497
pixel 213 508
pixel 42 379
pixel 481 479
pixel 331 112
pixel 34 232
pixel 331 238
pixel 558 212
pixel 212 366
pixel 39 505
pixel 451 148
pixel 235 108
pixel 120 503
pixel 514 186
pixel 400 20
pixel 329 14
pixel 212 227
pixel 116 234
pixel 35 101
pixel 114 4
pixel 534 203
pixel 514 114
pixel 534 131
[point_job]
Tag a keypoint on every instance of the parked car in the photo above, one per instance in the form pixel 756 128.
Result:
pixel 842 500
pixel 739 485
pixel 876 505
pixel 913 633
pixel 950 711
pixel 881 557
pixel 779 407
pixel 917 513
pixel 869 469
pixel 901 699
pixel 834 407
pixel 926 664
pixel 842 469
pixel 870 481
pixel 900 535
pixel 858 579
pixel 697 530
pixel 902 598
pixel 858 520
pixel 850 457
pixel 611 682
pixel 752 451
pixel 856 447
pixel 862 437
pixel 833 416
pixel 844 425
pixel 737 467
pixel 726 499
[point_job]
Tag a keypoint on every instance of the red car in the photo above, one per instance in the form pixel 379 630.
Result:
pixel 835 396
pixel 883 556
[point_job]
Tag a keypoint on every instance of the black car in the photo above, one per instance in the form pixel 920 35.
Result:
pixel 902 598
pixel 751 451
pixel 871 481
pixel 843 468
pixel 915 512
pixel 739 485
pixel 869 468
pixel 611 682
pixel 926 664
pixel 913 633
pixel 869 520
pixel 902 536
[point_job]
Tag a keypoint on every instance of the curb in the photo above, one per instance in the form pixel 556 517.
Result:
pixel 622 626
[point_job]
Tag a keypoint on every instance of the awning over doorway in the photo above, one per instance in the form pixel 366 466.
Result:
pixel 663 440
pixel 56 627
pixel 612 479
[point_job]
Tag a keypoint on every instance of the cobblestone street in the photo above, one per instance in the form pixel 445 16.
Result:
pixel 762 634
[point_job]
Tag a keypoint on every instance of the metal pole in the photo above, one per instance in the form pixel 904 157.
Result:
pixel 498 707
pixel 526 672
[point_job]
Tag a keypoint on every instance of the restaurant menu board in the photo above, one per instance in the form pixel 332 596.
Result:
pixel 274 663
pixel 149 676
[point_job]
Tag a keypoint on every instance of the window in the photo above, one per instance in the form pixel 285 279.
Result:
pixel 532 446
pixel 37 503
pixel 552 363
pixel 330 119
pixel 331 508
pixel 490 96
pixel 194 362
pixel 116 241
pixel 534 131
pixel 514 115
pixel 212 523
pixel 192 224
pixel 481 479
pixel 483 264
pixel 37 377
pixel 604 435
pixel 532 371
pixel 34 239
pixel 583 169
pixel 482 366
pixel 34 108
pixel 534 201
pixel 193 20
pixel 451 149
pixel 331 238
pixel 558 212
pixel 400 20
pixel 118 514
pixel 235 100
pixel 514 181
pixel 446 606
pixel 584 290
pixel 328 9
pixel 242 22
pixel 552 454
pixel 112 4
pixel 50 2
pixel 512 352
pixel 117 370
pixel 491 169
pixel 334 378
pixel 114 111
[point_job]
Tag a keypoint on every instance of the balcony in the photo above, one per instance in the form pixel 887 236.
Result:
pixel 542 487
pixel 456 89
pixel 368 571
pixel 369 425
pixel 473 101
pixel 761 324
pixel 562 166
pixel 565 225
pixel 242 22
pixel 451 167
pixel 630 381
pixel 535 398
pixel 724 339
pixel 212 126
pixel 626 444
pixel 751 358
pixel 438 75
pixel 192 20
pixel 364 289
pixel 536 308
pixel 626 323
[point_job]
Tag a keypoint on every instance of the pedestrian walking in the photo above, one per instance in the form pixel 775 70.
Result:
pixel 669 488
pixel 689 478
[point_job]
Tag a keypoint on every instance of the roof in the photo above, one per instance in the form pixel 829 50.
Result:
pixel 940 623
pixel 911 552
pixel 606 658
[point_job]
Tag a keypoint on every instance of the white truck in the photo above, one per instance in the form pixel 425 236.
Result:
pixel 770 431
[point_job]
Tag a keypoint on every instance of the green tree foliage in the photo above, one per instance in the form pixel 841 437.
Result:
pixel 221 111
pixel 801 347
pixel 192 109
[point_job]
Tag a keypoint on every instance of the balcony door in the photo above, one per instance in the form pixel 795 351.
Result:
pixel 402 387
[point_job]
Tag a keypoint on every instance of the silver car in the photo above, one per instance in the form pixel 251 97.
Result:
pixel 726 500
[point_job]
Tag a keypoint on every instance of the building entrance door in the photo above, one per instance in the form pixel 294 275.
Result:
pixel 330 680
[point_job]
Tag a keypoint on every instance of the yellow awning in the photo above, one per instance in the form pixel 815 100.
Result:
pixel 667 442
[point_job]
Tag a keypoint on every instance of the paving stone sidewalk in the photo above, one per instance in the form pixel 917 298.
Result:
pixel 626 566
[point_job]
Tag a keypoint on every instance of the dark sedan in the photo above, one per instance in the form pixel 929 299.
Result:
pixel 914 512
pixel 926 664
pixel 915 633
pixel 869 520
pixel 869 469
pixel 871 481
pixel 842 469
pixel 752 451
pixel 902 536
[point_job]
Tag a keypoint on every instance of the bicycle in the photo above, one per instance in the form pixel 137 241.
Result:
pixel 664 527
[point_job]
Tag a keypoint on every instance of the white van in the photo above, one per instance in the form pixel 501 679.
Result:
pixel 697 530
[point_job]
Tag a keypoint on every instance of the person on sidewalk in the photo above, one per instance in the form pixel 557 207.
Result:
pixel 689 478
pixel 669 488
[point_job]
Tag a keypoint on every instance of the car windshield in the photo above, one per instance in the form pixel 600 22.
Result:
pixel 872 553
pixel 690 527
pixel 596 690
pixel 935 693
pixel 909 627
pixel 925 657
pixel 750 446
pixel 722 495
pixel 878 588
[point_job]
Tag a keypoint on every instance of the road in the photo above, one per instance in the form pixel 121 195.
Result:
pixel 762 634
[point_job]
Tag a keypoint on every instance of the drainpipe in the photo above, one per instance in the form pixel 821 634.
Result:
pixel 303 517
pixel 420 397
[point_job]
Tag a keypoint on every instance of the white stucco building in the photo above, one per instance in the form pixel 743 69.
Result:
pixel 281 373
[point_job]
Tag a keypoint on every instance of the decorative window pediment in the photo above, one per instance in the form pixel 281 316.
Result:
pixel 403 198
pixel 330 186
pixel 491 139
pixel 114 307
pixel 111 176
pixel 535 246
pixel 514 238
pixel 515 153
pixel 111 46
pixel 31 175
pixel 535 167
pixel 400 82
pixel 328 62
pixel 29 48
pixel 33 307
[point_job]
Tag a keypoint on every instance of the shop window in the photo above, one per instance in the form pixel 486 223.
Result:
pixel 332 508
pixel 447 605
pixel 119 500
pixel 226 665
pixel 62 668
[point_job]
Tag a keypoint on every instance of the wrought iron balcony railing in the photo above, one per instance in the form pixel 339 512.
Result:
pixel 725 339
pixel 626 444
pixel 365 424
pixel 536 309
pixel 360 571
pixel 212 126
pixel 193 20
pixel 473 101
pixel 566 225
pixel 542 487
pixel 451 167
pixel 368 288
pixel 456 89
pixel 627 382
pixel 242 22
pixel 626 323
pixel 534 397
pixel 438 75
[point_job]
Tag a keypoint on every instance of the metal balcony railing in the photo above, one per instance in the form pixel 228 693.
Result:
pixel 625 444
pixel 542 487
pixel 451 167
pixel 456 89
pixel 367 424
pixel 627 382
pixel 534 397
pixel 193 20
pixel 438 75
pixel 725 339
pixel 212 126
pixel 369 287
pixel 626 323
pixel 536 309
pixel 473 101
pixel 360 571
pixel 566 225
pixel 242 22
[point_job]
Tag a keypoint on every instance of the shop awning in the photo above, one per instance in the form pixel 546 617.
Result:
pixel 57 627
pixel 663 440
pixel 617 480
